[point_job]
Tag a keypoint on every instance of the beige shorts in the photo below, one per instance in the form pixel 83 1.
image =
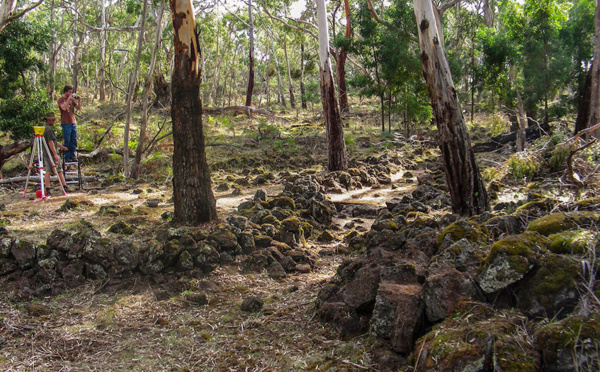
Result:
pixel 48 165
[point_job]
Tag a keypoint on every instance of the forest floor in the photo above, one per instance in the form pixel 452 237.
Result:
pixel 160 323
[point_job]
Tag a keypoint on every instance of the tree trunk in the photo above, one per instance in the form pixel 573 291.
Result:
pixel 336 152
pixel 594 115
pixel 279 81
pixel 488 13
pixel 76 40
pixel 146 93
pixel 132 89
pixel 302 87
pixel 6 9
pixel 192 194
pixel 341 65
pixel 53 54
pixel 289 75
pixel 467 190
pixel 250 89
pixel 583 108
pixel 522 117
pixel 103 55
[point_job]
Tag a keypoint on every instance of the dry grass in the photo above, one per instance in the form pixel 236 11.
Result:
pixel 108 329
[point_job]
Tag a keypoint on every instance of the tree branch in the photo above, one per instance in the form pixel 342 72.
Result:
pixel 23 12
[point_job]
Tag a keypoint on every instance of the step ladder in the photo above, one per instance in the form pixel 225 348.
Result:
pixel 72 172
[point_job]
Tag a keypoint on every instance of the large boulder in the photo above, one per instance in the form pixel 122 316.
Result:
pixel 398 315
pixel 477 339
pixel 572 344
pixel 444 290
pixel 553 290
pixel 510 259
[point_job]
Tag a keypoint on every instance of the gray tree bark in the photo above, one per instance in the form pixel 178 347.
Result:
pixel 336 150
pixel 467 191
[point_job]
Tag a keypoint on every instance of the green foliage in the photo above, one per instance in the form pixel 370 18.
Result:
pixel 350 141
pixel 21 45
pixel 19 113
pixel 522 165
pixel 498 125
pixel 558 158
pixel 22 103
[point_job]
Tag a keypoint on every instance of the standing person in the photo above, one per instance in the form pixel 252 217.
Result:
pixel 67 103
pixel 53 146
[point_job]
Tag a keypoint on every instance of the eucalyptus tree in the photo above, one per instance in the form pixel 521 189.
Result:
pixel 131 87
pixel 594 111
pixel 467 190
pixel 10 10
pixel 22 101
pixel 146 92
pixel 336 152
pixel 192 194
pixel 250 86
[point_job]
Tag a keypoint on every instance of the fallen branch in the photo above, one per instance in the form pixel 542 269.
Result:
pixel 571 176
pixel 244 110
pixel 21 179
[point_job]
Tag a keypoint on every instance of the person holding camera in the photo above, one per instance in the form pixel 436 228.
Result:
pixel 67 103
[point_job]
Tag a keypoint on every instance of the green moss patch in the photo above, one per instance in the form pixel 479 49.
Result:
pixel 469 230
pixel 570 333
pixel 563 221
pixel 573 242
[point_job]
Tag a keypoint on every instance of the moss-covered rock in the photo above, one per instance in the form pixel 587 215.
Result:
pixel 284 202
pixel 510 259
pixel 572 344
pixel 573 242
pixel 590 204
pixel 563 221
pixel 474 339
pixel 463 229
pixel 121 228
pixel 554 288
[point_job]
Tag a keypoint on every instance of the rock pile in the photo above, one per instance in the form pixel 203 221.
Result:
pixel 476 294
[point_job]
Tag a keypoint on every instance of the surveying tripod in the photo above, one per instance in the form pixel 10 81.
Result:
pixel 39 147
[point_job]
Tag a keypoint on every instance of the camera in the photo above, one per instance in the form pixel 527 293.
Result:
pixel 74 96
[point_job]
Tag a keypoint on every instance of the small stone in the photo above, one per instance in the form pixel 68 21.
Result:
pixel 303 268
pixel 197 298
pixel 252 305
pixel 162 321
pixel 153 203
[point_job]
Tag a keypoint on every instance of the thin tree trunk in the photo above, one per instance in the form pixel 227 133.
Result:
pixel 583 108
pixel 341 65
pixel 103 54
pixel 53 53
pixel 76 40
pixel 250 89
pixel 131 89
pixel 466 187
pixel 302 86
pixel 336 152
pixel 520 142
pixel 594 115
pixel 194 201
pixel 146 94
pixel 279 81
pixel 289 75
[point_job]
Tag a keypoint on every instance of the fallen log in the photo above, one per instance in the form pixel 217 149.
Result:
pixel 21 179
pixel 531 133
pixel 8 151
pixel 242 110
